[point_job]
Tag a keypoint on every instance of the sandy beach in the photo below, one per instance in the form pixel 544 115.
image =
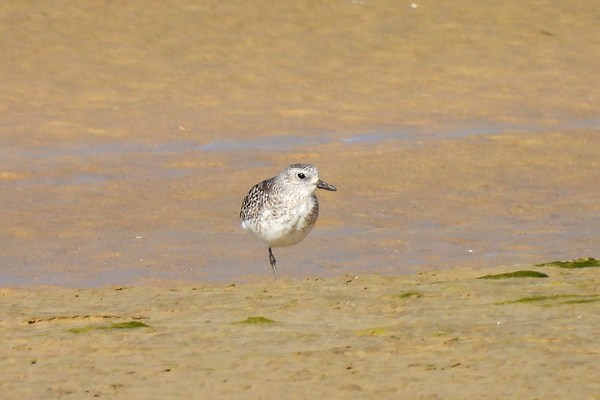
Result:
pixel 429 336
pixel 463 138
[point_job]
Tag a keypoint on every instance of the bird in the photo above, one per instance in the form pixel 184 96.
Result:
pixel 282 210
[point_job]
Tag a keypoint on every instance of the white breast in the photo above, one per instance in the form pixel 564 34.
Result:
pixel 286 229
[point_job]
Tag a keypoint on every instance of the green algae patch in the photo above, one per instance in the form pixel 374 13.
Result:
pixel 256 320
pixel 555 299
pixel 516 274
pixel 83 329
pixel 128 325
pixel 583 301
pixel 371 332
pixel 115 325
pixel 531 299
pixel 579 263
pixel 408 295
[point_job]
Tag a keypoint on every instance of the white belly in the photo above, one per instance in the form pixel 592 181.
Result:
pixel 278 236
pixel 286 230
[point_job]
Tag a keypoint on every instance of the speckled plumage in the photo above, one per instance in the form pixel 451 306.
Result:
pixel 282 210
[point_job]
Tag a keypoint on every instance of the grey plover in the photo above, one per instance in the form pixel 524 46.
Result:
pixel 282 210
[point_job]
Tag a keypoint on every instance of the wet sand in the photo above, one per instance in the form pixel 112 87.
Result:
pixel 463 139
pixel 478 201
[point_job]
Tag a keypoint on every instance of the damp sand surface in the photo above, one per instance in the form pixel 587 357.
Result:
pixel 427 335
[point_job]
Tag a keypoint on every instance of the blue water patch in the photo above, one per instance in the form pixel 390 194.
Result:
pixel 98 149
pixel 285 142
pixel 374 137
pixel 266 143
pixel 288 142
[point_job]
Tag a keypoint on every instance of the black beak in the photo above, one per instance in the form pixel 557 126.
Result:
pixel 326 186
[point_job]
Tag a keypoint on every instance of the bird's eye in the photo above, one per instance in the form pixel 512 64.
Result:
pixel 301 175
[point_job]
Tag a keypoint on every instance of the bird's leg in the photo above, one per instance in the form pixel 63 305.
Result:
pixel 273 265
